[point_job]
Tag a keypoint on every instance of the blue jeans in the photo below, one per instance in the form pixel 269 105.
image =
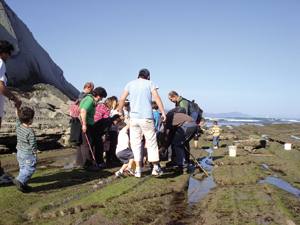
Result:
pixel 27 166
pixel 216 141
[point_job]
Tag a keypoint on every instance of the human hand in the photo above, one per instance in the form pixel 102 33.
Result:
pixel 18 103
pixel 163 117
pixel 84 128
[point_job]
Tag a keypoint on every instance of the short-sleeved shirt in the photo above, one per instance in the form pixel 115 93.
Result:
pixel 88 104
pixel 140 96
pixel 177 119
pixel 26 141
pixel 3 78
pixel 123 140
pixel 102 111
pixel 156 117
pixel 215 131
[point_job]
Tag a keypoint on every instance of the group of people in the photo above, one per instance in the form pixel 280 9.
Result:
pixel 133 132
pixel 144 131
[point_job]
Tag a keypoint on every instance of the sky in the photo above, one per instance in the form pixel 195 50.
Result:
pixel 230 56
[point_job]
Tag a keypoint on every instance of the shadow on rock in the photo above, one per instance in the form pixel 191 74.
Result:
pixel 67 179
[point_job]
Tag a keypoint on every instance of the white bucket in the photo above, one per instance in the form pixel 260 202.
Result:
pixel 232 150
pixel 287 146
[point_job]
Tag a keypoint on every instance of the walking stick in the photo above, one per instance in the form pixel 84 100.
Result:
pixel 195 160
pixel 90 147
pixel 89 144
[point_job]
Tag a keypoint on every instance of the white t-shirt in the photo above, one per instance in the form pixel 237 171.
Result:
pixel 3 79
pixel 123 140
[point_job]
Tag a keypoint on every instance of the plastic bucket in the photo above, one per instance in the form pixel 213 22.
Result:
pixel 232 150
pixel 287 146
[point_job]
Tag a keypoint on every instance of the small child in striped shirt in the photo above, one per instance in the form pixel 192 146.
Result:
pixel 26 148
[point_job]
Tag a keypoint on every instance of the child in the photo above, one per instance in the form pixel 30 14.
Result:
pixel 123 151
pixel 156 116
pixel 216 131
pixel 26 148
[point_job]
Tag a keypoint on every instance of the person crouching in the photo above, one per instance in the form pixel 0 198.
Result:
pixel 26 148
pixel 178 131
pixel 123 151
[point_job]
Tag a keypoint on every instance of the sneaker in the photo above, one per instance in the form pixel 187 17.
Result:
pixel 215 147
pixel 157 172
pixel 19 185
pixel 138 174
pixel 119 174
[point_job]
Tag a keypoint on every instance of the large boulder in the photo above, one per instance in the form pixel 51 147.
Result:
pixel 51 120
pixel 30 63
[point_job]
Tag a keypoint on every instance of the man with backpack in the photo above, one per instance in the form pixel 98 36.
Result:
pixel 192 109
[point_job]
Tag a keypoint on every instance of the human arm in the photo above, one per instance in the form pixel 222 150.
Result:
pixel 32 142
pixel 7 93
pixel 122 101
pixel 159 103
pixel 83 119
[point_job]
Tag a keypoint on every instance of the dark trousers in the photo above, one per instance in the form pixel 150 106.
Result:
pixel 84 156
pixel 180 143
pixel 100 128
pixel 94 134
pixel 113 141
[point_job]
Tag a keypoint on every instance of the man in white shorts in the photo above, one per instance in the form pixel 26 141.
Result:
pixel 141 91
pixel 5 51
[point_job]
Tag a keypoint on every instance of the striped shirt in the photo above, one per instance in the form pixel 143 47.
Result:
pixel 26 141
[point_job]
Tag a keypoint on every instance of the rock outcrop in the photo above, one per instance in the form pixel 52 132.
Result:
pixel 51 121
pixel 30 63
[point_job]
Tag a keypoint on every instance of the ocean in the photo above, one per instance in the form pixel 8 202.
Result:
pixel 249 121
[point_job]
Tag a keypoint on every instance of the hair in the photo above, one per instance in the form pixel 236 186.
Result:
pixel 121 124
pixel 6 47
pixel 88 85
pixel 99 91
pixel 154 105
pixel 215 122
pixel 144 73
pixel 109 101
pixel 26 115
pixel 173 94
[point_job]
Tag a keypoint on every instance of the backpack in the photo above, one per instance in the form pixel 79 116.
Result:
pixel 194 111
pixel 74 110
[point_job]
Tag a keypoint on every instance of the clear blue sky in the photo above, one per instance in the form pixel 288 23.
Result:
pixel 228 55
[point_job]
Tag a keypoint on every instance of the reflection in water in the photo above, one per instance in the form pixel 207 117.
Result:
pixel 199 189
pixel 281 184
pixel 265 166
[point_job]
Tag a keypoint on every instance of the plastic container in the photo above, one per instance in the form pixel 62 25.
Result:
pixel 287 146
pixel 232 150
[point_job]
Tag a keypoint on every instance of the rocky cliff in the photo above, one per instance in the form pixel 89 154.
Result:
pixel 51 122
pixel 30 63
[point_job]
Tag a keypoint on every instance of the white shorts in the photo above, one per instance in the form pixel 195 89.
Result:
pixel 138 128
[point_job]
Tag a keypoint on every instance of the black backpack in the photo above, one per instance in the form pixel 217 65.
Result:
pixel 194 111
